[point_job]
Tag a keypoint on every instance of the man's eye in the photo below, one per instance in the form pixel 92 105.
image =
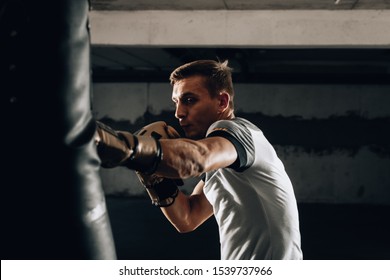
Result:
pixel 189 100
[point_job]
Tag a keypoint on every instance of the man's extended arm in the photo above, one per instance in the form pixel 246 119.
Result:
pixel 185 158
pixel 177 158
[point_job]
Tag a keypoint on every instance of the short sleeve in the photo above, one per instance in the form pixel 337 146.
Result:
pixel 240 136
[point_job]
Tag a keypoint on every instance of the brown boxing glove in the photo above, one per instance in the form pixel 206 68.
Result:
pixel 162 191
pixel 122 148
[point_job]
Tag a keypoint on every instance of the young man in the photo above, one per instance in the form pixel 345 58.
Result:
pixel 244 183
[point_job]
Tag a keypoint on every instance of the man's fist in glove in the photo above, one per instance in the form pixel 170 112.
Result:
pixel 158 130
pixel 142 152
pixel 162 191
pixel 114 147
pixel 121 148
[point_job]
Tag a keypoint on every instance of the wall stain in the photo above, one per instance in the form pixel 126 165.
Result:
pixel 346 134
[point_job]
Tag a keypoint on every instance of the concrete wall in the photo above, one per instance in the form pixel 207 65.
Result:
pixel 333 139
pixel 278 28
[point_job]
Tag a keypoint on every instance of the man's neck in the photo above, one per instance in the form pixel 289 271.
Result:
pixel 228 115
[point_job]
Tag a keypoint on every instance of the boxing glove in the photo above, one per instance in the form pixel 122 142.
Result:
pixel 162 191
pixel 122 148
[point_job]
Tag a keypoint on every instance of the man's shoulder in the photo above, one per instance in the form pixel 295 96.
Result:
pixel 237 132
pixel 236 123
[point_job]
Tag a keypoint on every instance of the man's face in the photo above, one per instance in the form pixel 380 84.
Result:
pixel 195 109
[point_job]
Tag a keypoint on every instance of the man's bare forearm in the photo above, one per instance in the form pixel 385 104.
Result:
pixel 182 158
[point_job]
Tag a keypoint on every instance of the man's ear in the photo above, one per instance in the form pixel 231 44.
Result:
pixel 224 100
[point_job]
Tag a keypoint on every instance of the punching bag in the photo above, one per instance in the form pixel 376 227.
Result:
pixel 52 201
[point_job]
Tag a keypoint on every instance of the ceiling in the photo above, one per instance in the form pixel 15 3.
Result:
pixel 264 65
pixel 238 4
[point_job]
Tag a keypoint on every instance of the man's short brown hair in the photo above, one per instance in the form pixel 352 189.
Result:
pixel 218 76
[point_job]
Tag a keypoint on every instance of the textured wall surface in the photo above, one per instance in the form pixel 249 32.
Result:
pixel 333 139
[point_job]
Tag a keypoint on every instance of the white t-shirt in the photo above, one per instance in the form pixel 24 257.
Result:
pixel 253 200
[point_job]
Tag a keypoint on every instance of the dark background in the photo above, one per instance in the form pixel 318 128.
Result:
pixel 328 231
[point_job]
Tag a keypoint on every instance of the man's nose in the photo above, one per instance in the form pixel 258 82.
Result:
pixel 180 112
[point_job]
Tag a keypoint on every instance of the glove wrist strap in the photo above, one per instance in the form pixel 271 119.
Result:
pixel 146 156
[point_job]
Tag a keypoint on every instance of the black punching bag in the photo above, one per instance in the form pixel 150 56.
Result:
pixel 52 202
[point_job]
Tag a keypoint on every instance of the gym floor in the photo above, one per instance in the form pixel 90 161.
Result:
pixel 329 232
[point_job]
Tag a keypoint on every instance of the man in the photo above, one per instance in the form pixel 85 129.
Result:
pixel 244 184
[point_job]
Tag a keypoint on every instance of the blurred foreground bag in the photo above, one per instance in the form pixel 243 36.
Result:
pixel 52 202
